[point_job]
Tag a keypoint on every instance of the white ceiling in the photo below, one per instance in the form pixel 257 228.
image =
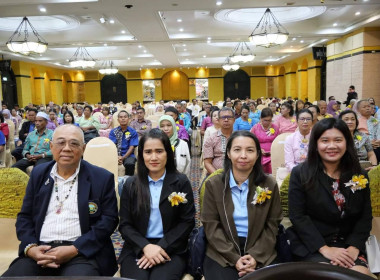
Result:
pixel 148 34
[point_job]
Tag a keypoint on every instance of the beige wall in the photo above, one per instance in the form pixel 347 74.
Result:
pixel 354 59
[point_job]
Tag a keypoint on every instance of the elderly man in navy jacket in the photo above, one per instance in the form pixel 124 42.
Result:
pixel 68 215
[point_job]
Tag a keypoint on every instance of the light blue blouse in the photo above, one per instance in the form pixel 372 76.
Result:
pixel 239 198
pixel 155 228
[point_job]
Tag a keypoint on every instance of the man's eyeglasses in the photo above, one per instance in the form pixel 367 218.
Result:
pixel 305 119
pixel 72 144
pixel 227 118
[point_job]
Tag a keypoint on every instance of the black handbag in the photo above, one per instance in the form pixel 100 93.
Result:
pixel 197 251
pixel 284 254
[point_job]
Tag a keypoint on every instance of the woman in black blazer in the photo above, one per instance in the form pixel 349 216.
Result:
pixel 156 213
pixel 329 201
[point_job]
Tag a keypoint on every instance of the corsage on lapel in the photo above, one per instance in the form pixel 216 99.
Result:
pixel 176 198
pixel 358 182
pixel 261 195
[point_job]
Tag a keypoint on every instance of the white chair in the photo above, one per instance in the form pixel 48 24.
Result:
pixel 10 143
pixel 102 152
pixel 97 115
pixel 11 136
pixel 261 107
pixel 3 159
pixel 278 153
pixel 115 122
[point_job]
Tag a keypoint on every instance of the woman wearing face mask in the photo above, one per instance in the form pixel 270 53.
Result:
pixel 181 150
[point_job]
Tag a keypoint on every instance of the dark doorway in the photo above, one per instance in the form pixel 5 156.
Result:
pixel 9 88
pixel 237 85
pixel 114 88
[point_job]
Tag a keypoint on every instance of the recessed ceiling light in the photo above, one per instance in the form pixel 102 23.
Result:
pixel 144 51
pixel 181 30
pixel 301 41
pixel 183 45
pixel 357 13
pixel 139 46
pixel 105 45
pixel 335 24
pixel 112 21
pixel 43 10
pixel 123 31
pixel 204 56
pixel 179 20
pixel 208 38
pixel 218 3
pixel 102 20
pixel 294 39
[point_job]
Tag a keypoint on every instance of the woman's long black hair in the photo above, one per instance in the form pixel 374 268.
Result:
pixel 257 171
pixel 140 187
pixel 68 112
pixel 349 163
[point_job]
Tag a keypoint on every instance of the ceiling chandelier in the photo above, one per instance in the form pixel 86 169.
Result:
pixel 230 66
pixel 242 53
pixel 81 59
pixel 26 40
pixel 269 32
pixel 108 68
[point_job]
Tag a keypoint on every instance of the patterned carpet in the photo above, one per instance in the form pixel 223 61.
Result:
pixel 195 176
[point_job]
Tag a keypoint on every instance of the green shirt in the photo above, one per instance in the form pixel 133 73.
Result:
pixel 92 121
pixel 36 144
